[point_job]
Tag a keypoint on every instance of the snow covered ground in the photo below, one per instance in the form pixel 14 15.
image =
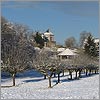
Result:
pixel 31 85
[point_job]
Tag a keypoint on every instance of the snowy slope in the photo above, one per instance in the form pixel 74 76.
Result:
pixel 33 86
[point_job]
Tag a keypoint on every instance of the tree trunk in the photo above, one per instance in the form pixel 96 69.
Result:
pixel 71 76
pixel 49 82
pixel 13 77
pixel 44 76
pixel 89 72
pixel 80 74
pixel 70 73
pixel 76 74
pixel 58 77
pixel 63 72
pixel 95 71
pixel 86 72
pixel 54 74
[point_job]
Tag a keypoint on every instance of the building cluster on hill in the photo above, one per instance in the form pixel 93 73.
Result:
pixel 62 52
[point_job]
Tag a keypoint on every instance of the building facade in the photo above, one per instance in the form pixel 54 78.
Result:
pixel 49 35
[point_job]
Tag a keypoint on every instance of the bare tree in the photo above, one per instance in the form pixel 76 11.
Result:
pixel 46 65
pixel 16 53
pixel 70 42
pixel 84 62
pixel 17 58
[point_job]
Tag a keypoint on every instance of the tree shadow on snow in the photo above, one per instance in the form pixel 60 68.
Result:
pixel 7 86
pixel 29 73
pixel 66 80
pixel 69 80
pixel 33 80
pixel 93 74
pixel 74 79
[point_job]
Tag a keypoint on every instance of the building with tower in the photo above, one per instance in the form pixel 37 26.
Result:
pixel 50 39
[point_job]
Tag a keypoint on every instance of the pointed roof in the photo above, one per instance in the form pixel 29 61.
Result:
pixel 67 52
pixel 48 32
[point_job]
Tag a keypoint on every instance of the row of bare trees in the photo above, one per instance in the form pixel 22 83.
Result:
pixel 49 66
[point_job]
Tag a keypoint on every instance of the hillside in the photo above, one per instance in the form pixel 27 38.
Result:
pixel 31 85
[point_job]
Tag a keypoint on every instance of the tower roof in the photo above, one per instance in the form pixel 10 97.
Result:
pixel 48 32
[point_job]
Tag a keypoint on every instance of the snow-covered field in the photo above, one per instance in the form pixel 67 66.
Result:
pixel 31 85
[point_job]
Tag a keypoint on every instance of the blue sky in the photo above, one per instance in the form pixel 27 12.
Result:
pixel 65 19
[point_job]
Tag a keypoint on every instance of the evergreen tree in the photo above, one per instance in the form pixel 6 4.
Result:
pixel 90 47
pixel 39 40
pixel 83 36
